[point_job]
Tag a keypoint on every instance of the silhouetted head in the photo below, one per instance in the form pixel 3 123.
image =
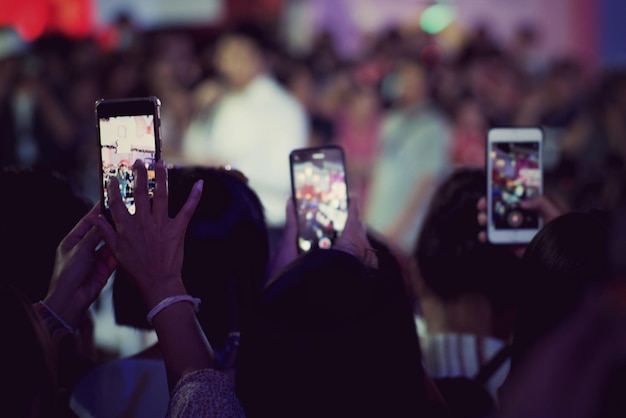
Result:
pixel 239 54
pixel 38 210
pixel 563 260
pixel 225 256
pixel 451 260
pixel 333 337
pixel 27 365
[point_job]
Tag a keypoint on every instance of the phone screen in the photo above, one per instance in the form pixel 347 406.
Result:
pixel 515 176
pixel 124 139
pixel 514 169
pixel 320 196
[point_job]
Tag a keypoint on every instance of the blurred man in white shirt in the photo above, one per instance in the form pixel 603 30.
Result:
pixel 253 125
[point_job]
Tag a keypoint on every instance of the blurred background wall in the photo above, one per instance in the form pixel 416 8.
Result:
pixel 591 29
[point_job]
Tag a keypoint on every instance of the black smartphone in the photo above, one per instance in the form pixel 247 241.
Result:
pixel 514 173
pixel 128 129
pixel 320 195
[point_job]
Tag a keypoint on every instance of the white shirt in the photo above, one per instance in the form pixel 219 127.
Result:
pixel 461 355
pixel 414 146
pixel 254 130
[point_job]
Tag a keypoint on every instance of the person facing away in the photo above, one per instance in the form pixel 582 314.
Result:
pixel 224 263
pixel 253 123
pixel 568 347
pixel 330 340
pixel 333 335
pixel 567 256
pixel 466 299
pixel 413 155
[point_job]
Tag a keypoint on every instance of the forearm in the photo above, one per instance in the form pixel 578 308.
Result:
pixel 70 311
pixel 182 341
pixel 55 328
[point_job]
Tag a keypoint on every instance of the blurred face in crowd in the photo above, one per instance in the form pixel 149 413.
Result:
pixel 301 86
pixel 412 81
pixel 238 60
pixel 363 104
pixel 470 116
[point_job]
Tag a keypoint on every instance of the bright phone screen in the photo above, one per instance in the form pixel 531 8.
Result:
pixel 515 176
pixel 124 139
pixel 321 196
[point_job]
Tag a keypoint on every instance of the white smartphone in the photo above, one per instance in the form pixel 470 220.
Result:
pixel 514 174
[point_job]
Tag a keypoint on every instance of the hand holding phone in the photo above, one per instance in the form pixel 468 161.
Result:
pixel 353 240
pixel 320 195
pixel 514 175
pixel 128 129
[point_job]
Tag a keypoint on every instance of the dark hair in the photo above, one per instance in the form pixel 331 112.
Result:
pixel 226 253
pixel 27 364
pixel 451 259
pixel 332 336
pixel 38 211
pixel 252 32
pixel 567 256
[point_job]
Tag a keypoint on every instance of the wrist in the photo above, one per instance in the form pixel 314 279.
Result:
pixel 162 288
pixel 68 310
pixel 169 301
pixel 56 325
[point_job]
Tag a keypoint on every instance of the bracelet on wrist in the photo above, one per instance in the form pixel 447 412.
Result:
pixel 65 325
pixel 168 301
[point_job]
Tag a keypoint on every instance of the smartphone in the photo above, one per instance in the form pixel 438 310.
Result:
pixel 514 173
pixel 128 129
pixel 320 195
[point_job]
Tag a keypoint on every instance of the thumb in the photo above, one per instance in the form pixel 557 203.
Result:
pixel 291 223
pixel 287 250
pixel 546 209
pixel 354 219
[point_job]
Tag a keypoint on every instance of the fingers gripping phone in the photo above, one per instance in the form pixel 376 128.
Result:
pixel 320 194
pixel 514 174
pixel 128 129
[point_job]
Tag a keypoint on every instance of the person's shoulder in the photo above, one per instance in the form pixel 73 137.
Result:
pixel 204 392
pixel 270 86
pixel 435 115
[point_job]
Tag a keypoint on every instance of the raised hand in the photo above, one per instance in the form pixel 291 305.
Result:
pixel 544 207
pixel 81 270
pixel 353 239
pixel 287 250
pixel 149 244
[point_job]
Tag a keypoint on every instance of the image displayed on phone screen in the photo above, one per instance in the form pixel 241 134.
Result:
pixel 515 176
pixel 124 139
pixel 321 197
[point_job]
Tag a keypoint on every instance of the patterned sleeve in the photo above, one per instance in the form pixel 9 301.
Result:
pixel 204 393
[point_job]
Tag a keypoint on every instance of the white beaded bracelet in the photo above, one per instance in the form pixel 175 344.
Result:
pixel 170 301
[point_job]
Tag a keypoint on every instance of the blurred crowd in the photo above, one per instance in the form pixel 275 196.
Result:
pixel 48 89
pixel 416 315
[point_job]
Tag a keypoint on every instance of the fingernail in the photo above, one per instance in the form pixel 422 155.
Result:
pixel 197 188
